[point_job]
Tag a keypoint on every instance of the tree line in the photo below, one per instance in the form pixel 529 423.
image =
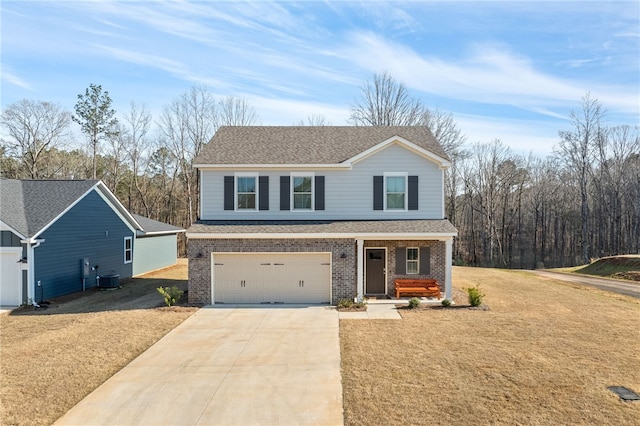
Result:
pixel 513 211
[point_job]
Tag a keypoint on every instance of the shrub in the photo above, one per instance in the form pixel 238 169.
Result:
pixel 414 302
pixel 446 303
pixel 345 303
pixel 475 295
pixel 171 295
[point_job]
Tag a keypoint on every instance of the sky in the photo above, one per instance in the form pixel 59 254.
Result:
pixel 507 70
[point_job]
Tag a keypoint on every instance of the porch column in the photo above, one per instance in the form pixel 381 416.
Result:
pixel 448 258
pixel 360 269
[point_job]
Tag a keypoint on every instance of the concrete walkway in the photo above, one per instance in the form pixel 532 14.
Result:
pixel 229 366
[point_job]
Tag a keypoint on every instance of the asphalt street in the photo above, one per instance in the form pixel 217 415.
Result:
pixel 628 288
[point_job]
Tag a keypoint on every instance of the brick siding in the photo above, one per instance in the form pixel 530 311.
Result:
pixel 343 270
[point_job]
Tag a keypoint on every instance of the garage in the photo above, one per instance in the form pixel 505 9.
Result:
pixel 10 276
pixel 271 277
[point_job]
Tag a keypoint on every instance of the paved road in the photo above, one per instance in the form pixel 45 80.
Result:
pixel 628 288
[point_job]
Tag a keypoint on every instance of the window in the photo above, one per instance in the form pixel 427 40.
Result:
pixel 302 189
pixel 395 192
pixel 413 260
pixel 128 249
pixel 246 192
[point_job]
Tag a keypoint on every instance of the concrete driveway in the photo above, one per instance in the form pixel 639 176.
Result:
pixel 229 366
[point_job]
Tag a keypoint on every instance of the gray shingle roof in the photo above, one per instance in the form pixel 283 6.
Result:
pixel 29 205
pixel 151 226
pixel 305 144
pixel 348 227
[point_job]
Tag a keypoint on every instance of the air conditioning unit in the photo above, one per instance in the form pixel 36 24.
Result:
pixel 109 281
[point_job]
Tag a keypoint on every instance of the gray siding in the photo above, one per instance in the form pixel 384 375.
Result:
pixel 90 229
pixel 9 239
pixel 153 253
pixel 348 193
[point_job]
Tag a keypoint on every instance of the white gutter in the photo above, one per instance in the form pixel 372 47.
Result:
pixel 31 271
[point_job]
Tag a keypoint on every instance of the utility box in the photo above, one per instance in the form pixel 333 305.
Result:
pixel 86 269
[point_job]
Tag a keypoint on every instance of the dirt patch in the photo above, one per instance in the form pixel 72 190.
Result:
pixel 544 353
pixel 52 358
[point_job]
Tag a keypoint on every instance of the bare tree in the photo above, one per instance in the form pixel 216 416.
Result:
pixel 34 128
pixel 315 120
pixel 446 131
pixel 187 123
pixel 137 122
pixel 96 118
pixel 234 111
pixel 576 150
pixel 385 102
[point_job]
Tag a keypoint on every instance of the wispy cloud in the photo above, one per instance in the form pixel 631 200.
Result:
pixel 9 77
pixel 489 74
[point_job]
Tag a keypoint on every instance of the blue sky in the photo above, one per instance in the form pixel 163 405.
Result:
pixel 506 70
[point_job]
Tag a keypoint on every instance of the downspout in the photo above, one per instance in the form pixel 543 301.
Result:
pixel 31 270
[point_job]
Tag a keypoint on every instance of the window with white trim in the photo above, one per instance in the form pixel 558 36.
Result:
pixel 413 260
pixel 302 192
pixel 128 249
pixel 395 191
pixel 246 192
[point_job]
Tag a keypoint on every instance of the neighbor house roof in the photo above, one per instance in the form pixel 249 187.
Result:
pixel 154 227
pixel 321 228
pixel 306 144
pixel 28 207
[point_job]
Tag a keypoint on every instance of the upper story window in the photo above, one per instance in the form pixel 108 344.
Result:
pixel 302 189
pixel 246 192
pixel 128 249
pixel 395 189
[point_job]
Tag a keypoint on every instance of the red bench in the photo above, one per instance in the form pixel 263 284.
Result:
pixel 417 287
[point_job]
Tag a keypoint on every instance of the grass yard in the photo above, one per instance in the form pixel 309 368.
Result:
pixel 624 267
pixel 51 359
pixel 544 353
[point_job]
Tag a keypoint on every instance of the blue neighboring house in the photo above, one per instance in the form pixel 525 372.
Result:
pixel 59 236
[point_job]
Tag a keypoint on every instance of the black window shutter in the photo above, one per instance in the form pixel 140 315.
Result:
pixel 228 193
pixel 401 260
pixel 413 193
pixel 284 193
pixel 263 185
pixel 378 196
pixel 425 260
pixel 319 195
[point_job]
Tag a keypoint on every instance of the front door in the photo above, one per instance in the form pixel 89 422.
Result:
pixel 375 271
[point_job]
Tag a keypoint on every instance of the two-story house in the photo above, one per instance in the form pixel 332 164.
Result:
pixel 317 214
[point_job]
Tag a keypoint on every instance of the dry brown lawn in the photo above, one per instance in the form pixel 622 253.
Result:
pixel 51 359
pixel 544 353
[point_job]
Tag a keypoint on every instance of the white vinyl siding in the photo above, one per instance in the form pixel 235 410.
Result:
pixel 348 193
pixel 154 253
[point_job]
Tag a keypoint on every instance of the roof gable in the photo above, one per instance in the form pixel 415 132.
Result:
pixel 31 206
pixel 307 145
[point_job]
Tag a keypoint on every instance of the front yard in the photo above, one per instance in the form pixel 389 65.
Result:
pixel 543 353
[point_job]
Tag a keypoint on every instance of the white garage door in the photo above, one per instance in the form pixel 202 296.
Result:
pixel 271 277
pixel 10 277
